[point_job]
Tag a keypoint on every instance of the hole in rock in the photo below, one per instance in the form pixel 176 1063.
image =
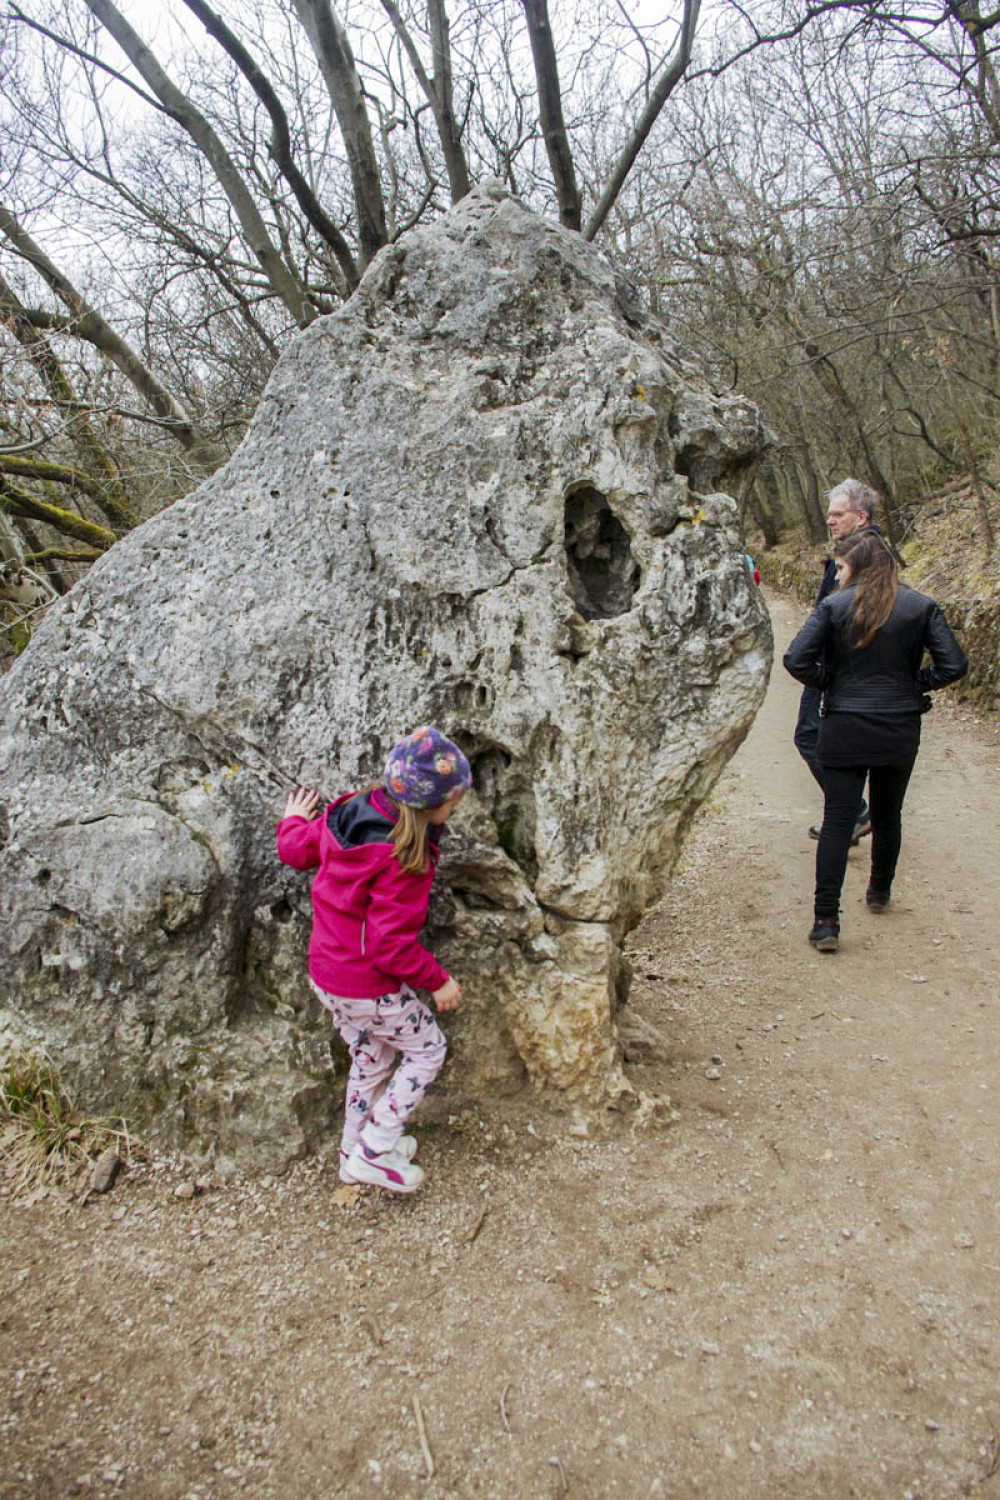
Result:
pixel 476 900
pixel 603 574
pixel 489 766
pixel 503 790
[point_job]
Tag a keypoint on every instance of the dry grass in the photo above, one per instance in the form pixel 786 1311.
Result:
pixel 44 1138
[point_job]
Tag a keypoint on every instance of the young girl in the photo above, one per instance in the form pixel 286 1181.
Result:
pixel 862 647
pixel 376 852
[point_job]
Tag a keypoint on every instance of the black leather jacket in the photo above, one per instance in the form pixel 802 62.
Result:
pixel 886 676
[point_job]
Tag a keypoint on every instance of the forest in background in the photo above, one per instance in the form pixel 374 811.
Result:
pixel 808 193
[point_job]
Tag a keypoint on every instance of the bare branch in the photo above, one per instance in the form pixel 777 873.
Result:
pixel 536 13
pixel 92 327
pixel 201 132
pixel 336 59
pixel 281 141
pixel 665 86
pixel 64 42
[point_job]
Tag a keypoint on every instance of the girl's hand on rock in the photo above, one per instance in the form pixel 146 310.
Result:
pixel 302 803
pixel 448 997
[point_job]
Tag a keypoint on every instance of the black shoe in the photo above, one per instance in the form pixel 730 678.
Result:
pixel 876 900
pixel 825 936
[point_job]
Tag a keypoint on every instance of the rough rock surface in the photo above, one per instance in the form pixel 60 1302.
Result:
pixel 485 494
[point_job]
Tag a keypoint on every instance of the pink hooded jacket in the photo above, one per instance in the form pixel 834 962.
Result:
pixel 367 911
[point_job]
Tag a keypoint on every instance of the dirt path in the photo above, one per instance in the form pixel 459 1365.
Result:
pixel 792 1291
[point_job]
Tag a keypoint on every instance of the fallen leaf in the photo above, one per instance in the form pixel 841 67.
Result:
pixel 346 1195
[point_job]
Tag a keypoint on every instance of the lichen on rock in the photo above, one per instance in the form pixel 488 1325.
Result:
pixel 489 493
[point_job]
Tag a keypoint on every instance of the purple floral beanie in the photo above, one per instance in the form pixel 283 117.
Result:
pixel 425 769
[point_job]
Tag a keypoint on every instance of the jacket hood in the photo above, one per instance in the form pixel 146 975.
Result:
pixel 353 821
pixel 357 819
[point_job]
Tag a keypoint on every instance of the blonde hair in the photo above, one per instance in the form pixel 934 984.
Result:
pixel 410 834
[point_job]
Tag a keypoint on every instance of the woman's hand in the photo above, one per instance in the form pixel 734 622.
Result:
pixel 448 997
pixel 302 803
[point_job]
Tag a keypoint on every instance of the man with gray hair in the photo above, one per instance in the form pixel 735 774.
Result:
pixel 850 508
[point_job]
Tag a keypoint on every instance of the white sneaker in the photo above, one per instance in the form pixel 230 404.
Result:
pixel 406 1146
pixel 388 1169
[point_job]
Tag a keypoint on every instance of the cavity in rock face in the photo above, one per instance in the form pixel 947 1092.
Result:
pixel 486 494
pixel 603 574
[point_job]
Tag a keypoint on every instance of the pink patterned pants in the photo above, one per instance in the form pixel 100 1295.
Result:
pixel 381 1096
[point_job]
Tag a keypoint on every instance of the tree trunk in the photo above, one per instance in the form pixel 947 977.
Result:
pixel 774 499
pixel 807 500
pixel 89 325
pixel 763 515
pixel 536 13
pixel 179 107
pixel 828 376
pixel 18 502
pixel 815 508
pixel 983 512
pixel 437 89
pixel 444 112
pixel 281 139
pixel 669 79
pixel 336 60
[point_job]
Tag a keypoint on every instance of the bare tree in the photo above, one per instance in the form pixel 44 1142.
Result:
pixel 818 208
pixel 284 283
pixel 242 207
pixel 437 87
pixel 85 323
pixel 834 256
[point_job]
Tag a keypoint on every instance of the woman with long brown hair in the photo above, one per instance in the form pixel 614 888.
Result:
pixel 862 648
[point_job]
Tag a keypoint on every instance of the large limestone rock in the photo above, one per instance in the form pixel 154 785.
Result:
pixel 485 494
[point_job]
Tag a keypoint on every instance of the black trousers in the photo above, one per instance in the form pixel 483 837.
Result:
pixel 807 735
pixel 807 730
pixel 843 787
